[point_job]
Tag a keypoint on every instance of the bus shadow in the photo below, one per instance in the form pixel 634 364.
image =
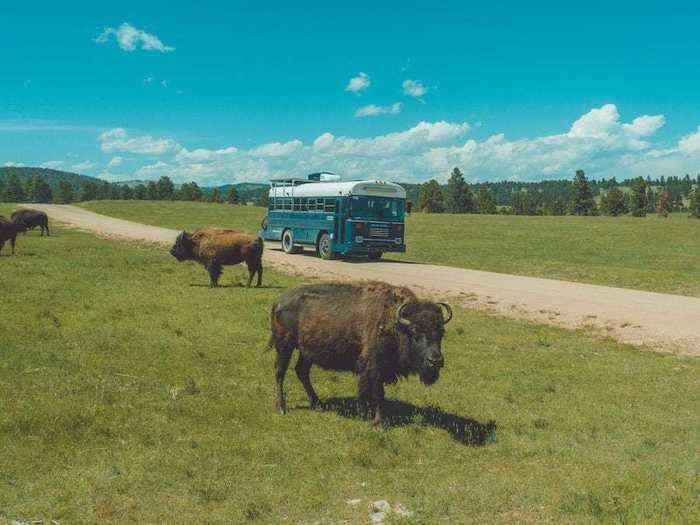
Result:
pixel 351 260
pixel 400 414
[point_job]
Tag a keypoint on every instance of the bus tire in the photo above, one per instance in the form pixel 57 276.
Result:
pixel 324 248
pixel 374 256
pixel 288 243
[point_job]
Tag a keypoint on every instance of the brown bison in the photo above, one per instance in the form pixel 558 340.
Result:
pixel 217 247
pixel 31 219
pixel 378 331
pixel 9 231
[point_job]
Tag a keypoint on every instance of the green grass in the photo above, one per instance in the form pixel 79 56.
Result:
pixel 661 255
pixel 130 392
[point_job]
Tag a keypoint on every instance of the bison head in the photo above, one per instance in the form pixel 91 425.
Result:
pixel 424 326
pixel 182 249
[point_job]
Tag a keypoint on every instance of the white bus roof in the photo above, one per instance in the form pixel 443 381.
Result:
pixel 370 188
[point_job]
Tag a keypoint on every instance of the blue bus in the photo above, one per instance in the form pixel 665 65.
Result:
pixel 336 218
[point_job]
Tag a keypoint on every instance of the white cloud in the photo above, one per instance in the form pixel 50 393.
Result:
pixel 116 161
pixel 164 83
pixel 148 80
pixel 690 144
pixel 359 83
pixel 277 149
pixel 10 164
pixel 82 166
pixel 373 110
pixel 130 38
pixel 414 88
pixel 118 139
pixel 599 142
pixel 52 164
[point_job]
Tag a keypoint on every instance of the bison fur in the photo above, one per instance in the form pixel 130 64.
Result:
pixel 218 247
pixel 9 231
pixel 377 331
pixel 31 219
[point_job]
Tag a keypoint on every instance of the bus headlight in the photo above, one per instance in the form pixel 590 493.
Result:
pixel 398 240
pixel 359 239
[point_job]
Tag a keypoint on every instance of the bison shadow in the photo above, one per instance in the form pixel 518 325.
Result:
pixel 399 414
pixel 238 285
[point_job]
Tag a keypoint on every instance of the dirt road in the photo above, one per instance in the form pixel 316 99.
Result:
pixel 661 321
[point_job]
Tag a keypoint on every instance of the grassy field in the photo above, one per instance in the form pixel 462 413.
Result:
pixel 647 254
pixel 129 391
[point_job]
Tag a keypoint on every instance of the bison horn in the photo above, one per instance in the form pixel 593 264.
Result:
pixel 447 309
pixel 400 317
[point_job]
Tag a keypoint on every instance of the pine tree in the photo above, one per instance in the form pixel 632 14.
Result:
pixel 215 196
pixel 64 195
pixel 165 188
pixel 232 196
pixel 582 201
pixel 695 203
pixel 485 201
pixel 127 192
pixel 430 199
pixel 459 196
pixel 151 191
pixel 558 207
pixel 14 192
pixel 613 203
pixel 638 200
pixel 140 192
pixel 2 190
pixel 89 191
pixel 651 198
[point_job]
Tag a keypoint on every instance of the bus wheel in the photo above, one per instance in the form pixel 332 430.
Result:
pixel 374 256
pixel 288 243
pixel 324 247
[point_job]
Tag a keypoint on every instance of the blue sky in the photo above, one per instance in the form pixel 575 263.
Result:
pixel 233 91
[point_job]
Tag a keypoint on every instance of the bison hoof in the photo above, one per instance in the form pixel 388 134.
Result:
pixel 282 408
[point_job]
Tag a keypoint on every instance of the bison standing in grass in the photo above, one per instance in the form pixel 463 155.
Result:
pixel 9 231
pixel 378 331
pixel 218 247
pixel 31 219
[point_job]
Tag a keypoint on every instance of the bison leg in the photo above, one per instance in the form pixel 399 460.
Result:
pixel 48 234
pixel 252 267
pixel 260 272
pixel 215 271
pixel 2 243
pixel 302 369
pixel 281 364
pixel 378 402
pixel 12 242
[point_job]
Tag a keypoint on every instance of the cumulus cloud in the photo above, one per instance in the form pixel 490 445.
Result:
pixel 277 149
pixel 118 140
pixel 52 164
pixel 372 110
pixel 115 161
pixel 82 166
pixel 358 83
pixel 414 88
pixel 690 144
pixel 599 142
pixel 130 38
pixel 11 164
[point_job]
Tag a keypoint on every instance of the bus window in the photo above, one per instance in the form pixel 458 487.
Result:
pixel 329 205
pixel 296 206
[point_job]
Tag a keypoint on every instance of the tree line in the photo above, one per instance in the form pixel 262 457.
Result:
pixel 636 197
pixel 37 189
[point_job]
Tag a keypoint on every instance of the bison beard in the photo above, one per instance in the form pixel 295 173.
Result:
pixel 378 331
pixel 218 247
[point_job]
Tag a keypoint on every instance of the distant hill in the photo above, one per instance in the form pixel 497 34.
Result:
pixel 53 177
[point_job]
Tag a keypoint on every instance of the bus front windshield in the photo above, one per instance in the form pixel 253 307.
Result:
pixel 377 208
